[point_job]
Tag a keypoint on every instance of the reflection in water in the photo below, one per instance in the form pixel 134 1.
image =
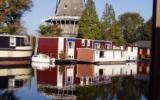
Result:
pixel 13 79
pixel 127 88
pixel 42 65
pixel 99 82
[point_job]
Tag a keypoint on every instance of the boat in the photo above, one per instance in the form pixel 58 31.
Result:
pixel 42 58
pixel 42 65
pixel 15 49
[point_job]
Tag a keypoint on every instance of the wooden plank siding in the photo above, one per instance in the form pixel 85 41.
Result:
pixel 86 55
pixel 48 46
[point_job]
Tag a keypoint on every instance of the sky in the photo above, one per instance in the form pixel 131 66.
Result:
pixel 45 8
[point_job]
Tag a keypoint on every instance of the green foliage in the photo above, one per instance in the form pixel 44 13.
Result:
pixel 11 12
pixel 130 23
pixel 50 30
pixel 110 28
pixel 89 92
pixel 89 26
pixel 144 32
pixel 108 17
pixel 121 88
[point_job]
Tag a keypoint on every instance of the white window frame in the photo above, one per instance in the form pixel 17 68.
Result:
pixel 83 42
pixel 88 43
pixel 12 41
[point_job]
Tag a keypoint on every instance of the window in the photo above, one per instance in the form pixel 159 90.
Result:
pixel 141 51
pixel 101 54
pixel 83 42
pixel 70 44
pixel 122 54
pixel 148 52
pixel 100 72
pixel 113 54
pixel 12 41
pixel 131 49
pixel 140 69
pixel 96 45
pixel 65 7
pixel 108 46
pixel 69 80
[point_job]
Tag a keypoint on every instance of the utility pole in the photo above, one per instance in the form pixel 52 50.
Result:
pixel 154 93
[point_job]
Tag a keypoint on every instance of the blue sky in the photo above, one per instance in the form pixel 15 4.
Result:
pixel 45 8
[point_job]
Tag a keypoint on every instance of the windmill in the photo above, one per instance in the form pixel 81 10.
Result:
pixel 67 16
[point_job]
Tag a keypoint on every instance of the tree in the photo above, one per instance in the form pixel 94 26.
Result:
pixel 145 31
pixel 108 18
pixel 89 23
pixel 115 34
pixel 130 23
pixel 110 28
pixel 50 30
pixel 11 12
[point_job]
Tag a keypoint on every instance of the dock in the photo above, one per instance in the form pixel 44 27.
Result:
pixel 65 61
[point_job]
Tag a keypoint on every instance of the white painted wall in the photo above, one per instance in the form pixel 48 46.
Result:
pixel 70 73
pixel 114 70
pixel 110 55
pixel 60 45
pixel 15 71
pixel 59 78
pixel 17 54
pixel 117 54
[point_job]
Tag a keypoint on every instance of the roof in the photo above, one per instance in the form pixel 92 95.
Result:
pixel 8 35
pixel 143 44
pixel 61 18
pixel 69 8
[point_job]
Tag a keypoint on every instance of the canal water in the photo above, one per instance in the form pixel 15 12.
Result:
pixel 41 81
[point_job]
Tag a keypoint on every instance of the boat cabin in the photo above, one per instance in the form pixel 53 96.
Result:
pixel 12 41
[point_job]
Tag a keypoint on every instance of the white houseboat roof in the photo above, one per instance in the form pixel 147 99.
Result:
pixel 8 35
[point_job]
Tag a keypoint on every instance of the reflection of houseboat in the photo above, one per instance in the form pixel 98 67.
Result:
pixel 143 67
pixel 116 70
pixel 13 79
pixel 90 74
pixel 61 76
pixel 15 49
pixel 42 65
pixel 83 74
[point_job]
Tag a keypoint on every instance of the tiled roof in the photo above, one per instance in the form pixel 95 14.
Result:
pixel 69 8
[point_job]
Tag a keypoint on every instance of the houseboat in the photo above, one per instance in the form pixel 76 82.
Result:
pixel 14 79
pixel 114 55
pixel 15 49
pixel 86 50
pixel 66 47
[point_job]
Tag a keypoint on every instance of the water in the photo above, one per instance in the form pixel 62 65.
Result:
pixel 81 82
